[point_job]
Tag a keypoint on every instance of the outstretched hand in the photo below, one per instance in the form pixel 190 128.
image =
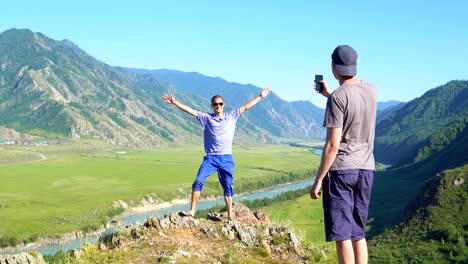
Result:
pixel 170 99
pixel 265 92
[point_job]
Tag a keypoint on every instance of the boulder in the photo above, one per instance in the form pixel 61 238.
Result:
pixel 22 258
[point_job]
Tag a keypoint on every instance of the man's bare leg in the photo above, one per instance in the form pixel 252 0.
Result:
pixel 228 200
pixel 344 249
pixel 360 251
pixel 193 206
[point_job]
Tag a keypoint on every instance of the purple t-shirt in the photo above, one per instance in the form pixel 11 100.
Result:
pixel 219 132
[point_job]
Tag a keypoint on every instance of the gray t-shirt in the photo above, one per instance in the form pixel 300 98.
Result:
pixel 219 132
pixel 353 107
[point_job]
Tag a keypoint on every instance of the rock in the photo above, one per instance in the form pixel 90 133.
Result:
pixel 77 253
pixel 173 220
pixel 144 202
pixel 210 233
pixel 277 230
pixel 151 223
pixel 164 223
pixel 457 183
pixel 158 223
pixel 294 243
pixel 120 204
pixel 112 239
pixel 243 213
pixel 246 234
pixel 228 233
pixel 22 258
pixel 181 252
pixel 182 221
pixel 262 217
pixel 218 217
pixel 137 233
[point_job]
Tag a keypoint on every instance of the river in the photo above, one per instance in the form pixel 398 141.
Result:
pixel 141 217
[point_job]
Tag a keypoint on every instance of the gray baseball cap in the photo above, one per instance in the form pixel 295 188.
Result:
pixel 345 59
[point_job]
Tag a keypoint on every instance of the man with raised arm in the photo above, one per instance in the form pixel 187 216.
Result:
pixel 219 128
pixel 346 170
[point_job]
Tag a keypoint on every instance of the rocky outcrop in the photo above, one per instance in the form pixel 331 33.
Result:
pixel 458 183
pixel 173 220
pixel 185 239
pixel 10 134
pixel 22 258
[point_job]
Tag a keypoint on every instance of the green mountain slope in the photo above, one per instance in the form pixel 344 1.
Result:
pixel 402 134
pixel 395 188
pixel 382 114
pixel 54 89
pixel 433 135
pixel 436 229
pixel 50 87
pixel 300 119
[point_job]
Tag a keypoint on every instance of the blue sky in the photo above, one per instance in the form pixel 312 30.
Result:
pixel 405 47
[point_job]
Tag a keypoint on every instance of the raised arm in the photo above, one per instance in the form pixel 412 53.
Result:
pixel 264 93
pixel 170 99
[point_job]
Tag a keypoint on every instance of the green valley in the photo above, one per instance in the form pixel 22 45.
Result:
pixel 74 189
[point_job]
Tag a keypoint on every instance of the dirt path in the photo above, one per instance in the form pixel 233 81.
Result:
pixel 41 156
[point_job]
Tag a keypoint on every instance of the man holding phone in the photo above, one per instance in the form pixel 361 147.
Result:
pixel 347 166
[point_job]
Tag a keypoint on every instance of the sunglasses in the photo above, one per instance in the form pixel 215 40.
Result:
pixel 216 104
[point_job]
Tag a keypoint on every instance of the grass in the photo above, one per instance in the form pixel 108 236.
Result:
pixel 73 189
pixel 12 156
pixel 305 218
pixel 304 215
pixel 394 189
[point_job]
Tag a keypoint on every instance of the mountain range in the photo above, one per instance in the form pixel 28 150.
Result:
pixel 298 119
pixel 418 212
pixel 53 88
pixel 413 131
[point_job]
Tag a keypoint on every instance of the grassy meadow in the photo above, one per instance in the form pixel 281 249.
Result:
pixel 74 186
pixel 305 218
pixel 304 214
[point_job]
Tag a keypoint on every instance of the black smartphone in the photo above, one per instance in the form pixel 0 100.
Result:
pixel 318 85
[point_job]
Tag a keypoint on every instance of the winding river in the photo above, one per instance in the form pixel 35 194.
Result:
pixel 141 217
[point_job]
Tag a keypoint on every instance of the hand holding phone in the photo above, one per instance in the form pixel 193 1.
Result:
pixel 318 85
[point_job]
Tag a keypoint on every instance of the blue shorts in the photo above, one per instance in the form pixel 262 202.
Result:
pixel 346 198
pixel 224 165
